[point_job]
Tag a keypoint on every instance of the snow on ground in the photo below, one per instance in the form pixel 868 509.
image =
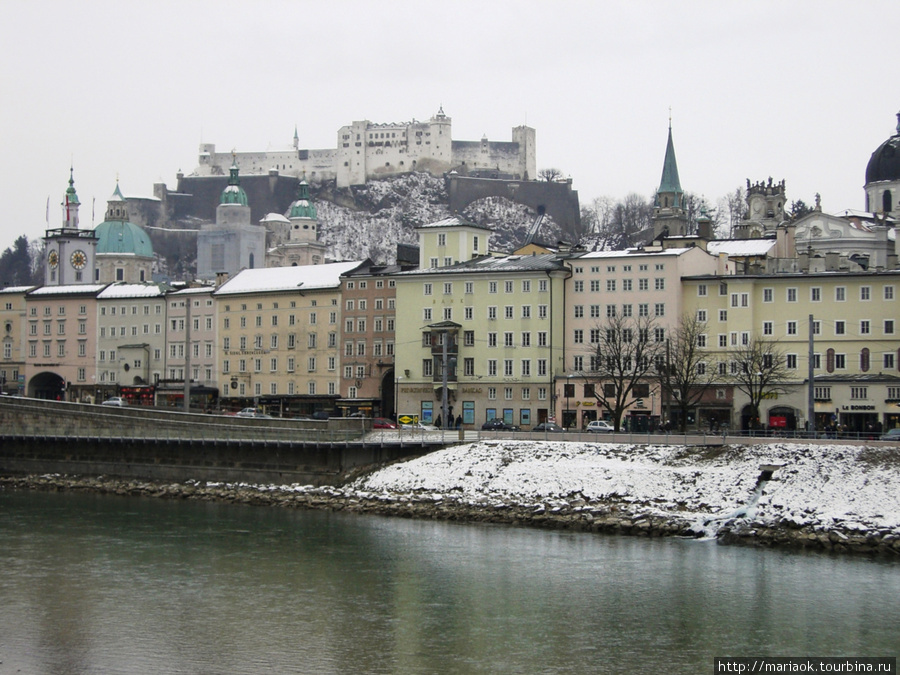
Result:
pixel 823 486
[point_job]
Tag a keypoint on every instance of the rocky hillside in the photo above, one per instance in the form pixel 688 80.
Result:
pixel 370 220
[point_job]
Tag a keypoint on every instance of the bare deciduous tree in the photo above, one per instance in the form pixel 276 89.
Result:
pixel 686 375
pixel 624 354
pixel 759 369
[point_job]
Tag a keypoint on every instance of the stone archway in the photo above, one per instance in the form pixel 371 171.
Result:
pixel 48 386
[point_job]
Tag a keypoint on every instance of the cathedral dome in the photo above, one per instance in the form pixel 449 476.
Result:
pixel 884 165
pixel 117 235
pixel 123 237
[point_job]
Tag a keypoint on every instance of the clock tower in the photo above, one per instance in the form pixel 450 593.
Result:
pixel 68 250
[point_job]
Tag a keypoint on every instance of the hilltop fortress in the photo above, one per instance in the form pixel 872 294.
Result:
pixel 367 151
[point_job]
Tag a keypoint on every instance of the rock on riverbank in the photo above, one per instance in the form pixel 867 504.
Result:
pixel 840 498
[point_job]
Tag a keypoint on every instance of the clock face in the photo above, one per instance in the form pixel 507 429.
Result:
pixel 53 259
pixel 78 260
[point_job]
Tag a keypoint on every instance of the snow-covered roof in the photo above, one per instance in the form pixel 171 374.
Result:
pixel 453 221
pixel 508 263
pixel 741 247
pixel 16 289
pixel 273 218
pixel 122 290
pixel 303 277
pixel 633 252
pixel 74 289
pixel 194 290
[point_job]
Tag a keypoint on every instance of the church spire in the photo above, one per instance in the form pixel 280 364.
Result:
pixel 669 181
pixel 71 203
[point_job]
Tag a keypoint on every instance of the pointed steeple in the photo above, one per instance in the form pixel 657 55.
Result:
pixel 669 181
pixel 296 138
pixel 116 208
pixel 669 216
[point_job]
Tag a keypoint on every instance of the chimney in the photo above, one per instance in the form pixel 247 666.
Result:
pixel 221 278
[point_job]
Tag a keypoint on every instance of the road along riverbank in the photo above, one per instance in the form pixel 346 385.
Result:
pixel 836 498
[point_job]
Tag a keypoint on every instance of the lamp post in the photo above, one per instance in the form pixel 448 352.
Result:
pixel 566 411
pixel 397 399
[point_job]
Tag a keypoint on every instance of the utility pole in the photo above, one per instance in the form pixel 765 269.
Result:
pixel 187 353
pixel 811 394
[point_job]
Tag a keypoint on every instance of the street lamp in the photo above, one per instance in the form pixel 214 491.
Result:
pixel 397 398
pixel 566 411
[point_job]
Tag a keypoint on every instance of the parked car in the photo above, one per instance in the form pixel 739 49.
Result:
pixel 117 401
pixel 497 424
pixel 549 426
pixel 383 423
pixel 891 435
pixel 254 413
pixel 600 427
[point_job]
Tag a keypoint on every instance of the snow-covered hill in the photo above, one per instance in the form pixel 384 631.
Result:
pixel 387 212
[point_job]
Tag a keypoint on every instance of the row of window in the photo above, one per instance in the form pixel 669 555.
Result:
pixel 509 312
pixel 611 269
pixel 611 311
pixel 643 284
pixel 292 389
pixel 815 294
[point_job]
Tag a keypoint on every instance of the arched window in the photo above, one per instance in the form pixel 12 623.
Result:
pixel 251 261
pixel 864 360
pixel 886 202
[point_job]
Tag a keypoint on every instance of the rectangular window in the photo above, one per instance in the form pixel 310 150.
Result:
pixel 768 296
pixel 839 328
pixel 888 326
pixel 767 327
pixel 792 295
pixel 865 293
pixel 701 290
pixel 815 294
pixel 791 361
pixel 427 289
pixel 469 367
pixel 840 294
pixel 864 327
pixel 791 327
pixel 888 292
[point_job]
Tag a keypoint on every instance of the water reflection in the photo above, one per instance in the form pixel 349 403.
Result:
pixel 123 585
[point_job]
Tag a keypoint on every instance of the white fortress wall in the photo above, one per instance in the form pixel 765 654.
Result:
pixel 365 150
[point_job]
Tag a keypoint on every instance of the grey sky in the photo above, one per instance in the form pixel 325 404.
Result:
pixel 803 91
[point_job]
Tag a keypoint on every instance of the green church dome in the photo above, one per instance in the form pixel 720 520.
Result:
pixel 303 206
pixel 118 236
pixel 234 193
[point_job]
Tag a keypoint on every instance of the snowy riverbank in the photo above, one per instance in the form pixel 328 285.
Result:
pixel 836 497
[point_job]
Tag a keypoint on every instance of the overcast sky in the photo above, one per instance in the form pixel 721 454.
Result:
pixel 802 91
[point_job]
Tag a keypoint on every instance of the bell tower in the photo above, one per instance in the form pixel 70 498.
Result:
pixel 69 252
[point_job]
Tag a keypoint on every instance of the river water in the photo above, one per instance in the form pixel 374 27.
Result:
pixel 102 584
